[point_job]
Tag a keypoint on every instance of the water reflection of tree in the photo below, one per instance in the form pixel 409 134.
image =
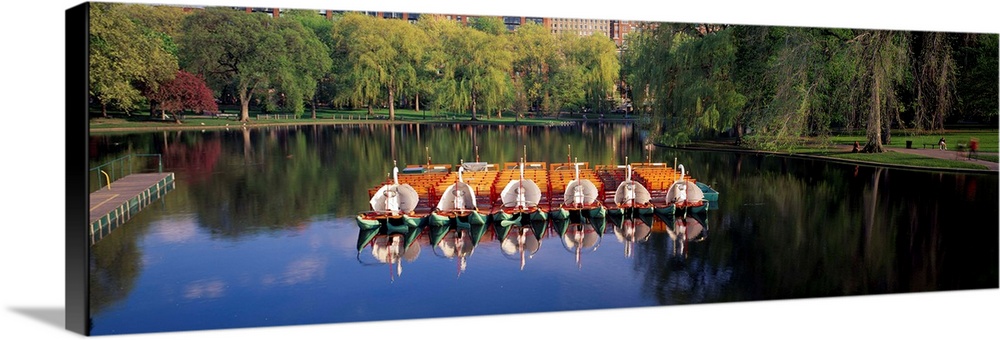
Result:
pixel 115 263
pixel 794 229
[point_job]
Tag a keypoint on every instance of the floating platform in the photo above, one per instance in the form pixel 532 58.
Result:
pixel 113 205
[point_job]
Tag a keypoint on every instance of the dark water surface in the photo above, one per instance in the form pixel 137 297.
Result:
pixel 260 231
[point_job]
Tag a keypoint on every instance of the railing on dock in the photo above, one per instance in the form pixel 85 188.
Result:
pixel 104 174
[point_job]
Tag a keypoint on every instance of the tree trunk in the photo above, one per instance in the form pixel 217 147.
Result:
pixel 104 110
pixel 875 117
pixel 474 107
pixel 244 107
pixel 416 103
pixel 314 107
pixel 392 105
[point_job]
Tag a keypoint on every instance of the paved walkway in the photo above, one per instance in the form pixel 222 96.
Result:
pixel 948 154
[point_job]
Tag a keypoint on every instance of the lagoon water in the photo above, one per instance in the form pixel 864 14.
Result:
pixel 260 231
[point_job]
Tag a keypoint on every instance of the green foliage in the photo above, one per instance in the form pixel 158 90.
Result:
pixel 383 55
pixel 976 86
pixel 472 68
pixel 127 59
pixel 253 55
pixel 489 25
pixel 683 75
pixel 326 87
pixel 768 86
pixel 880 59
pixel 597 60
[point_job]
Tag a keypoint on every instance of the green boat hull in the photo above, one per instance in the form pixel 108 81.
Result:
pixel 710 194
pixel 409 226
pixel 618 216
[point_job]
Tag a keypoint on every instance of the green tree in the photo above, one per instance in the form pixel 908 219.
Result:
pixel 251 54
pixel 597 58
pixel 473 67
pixel 880 62
pixel 383 57
pixel 977 59
pixel 126 58
pixel 489 25
pixel 305 62
pixel 683 75
pixel 790 77
pixel 537 57
pixel 934 71
pixel 323 30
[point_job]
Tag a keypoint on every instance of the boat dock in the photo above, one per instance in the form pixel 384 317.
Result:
pixel 113 205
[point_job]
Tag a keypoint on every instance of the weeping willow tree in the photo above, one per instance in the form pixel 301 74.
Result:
pixel 934 80
pixel 472 67
pixel 599 67
pixel 792 78
pixel 384 59
pixel 880 64
pixel 682 78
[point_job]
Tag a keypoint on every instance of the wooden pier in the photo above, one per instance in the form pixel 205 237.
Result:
pixel 113 205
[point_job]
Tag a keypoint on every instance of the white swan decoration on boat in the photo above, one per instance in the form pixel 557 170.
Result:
pixel 395 198
pixel 458 196
pixel 580 191
pixel 629 192
pixel 523 193
pixel 683 191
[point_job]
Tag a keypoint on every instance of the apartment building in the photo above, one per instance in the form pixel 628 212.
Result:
pixel 616 30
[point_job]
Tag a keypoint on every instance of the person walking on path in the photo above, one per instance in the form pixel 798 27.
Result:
pixel 973 146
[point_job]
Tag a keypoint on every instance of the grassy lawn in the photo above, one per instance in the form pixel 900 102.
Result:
pixel 988 139
pixel 891 157
pixel 956 139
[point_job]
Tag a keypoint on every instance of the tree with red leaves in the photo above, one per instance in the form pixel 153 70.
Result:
pixel 185 92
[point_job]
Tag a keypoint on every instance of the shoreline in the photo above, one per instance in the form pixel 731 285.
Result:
pixel 170 126
pixel 716 146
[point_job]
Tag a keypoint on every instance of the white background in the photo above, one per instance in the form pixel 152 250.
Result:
pixel 33 185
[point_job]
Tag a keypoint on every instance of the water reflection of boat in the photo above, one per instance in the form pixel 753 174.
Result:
pixel 631 231
pixel 520 241
pixel 392 250
pixel 578 236
pixel 685 229
pixel 456 243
